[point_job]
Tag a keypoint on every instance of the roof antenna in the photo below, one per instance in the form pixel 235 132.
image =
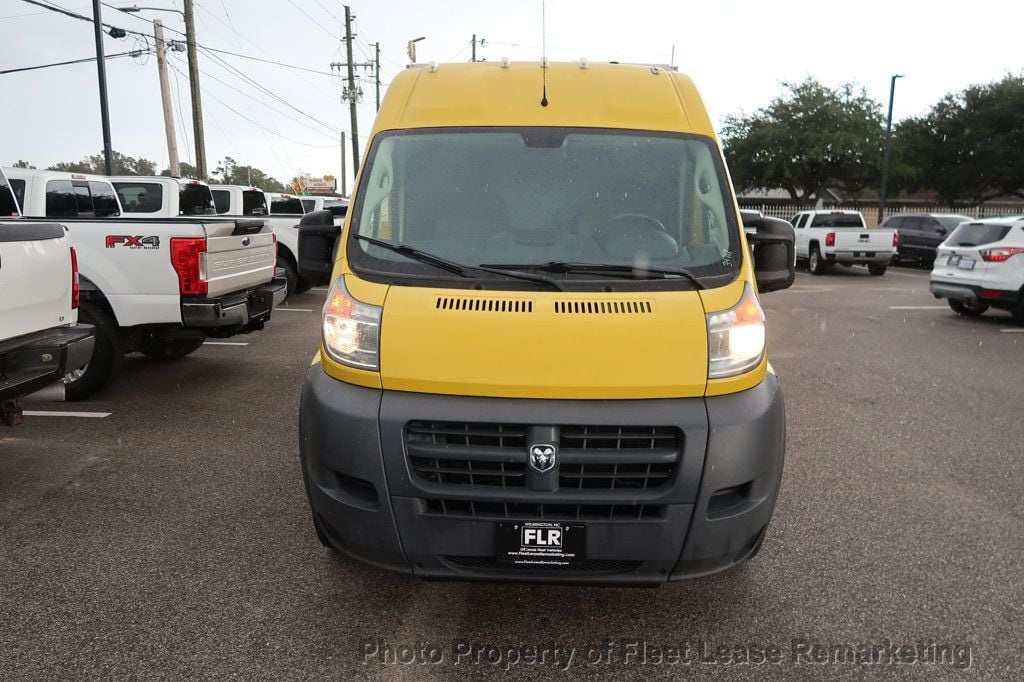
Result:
pixel 544 52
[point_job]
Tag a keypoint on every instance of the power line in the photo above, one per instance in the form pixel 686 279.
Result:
pixel 329 13
pixel 132 53
pixel 273 122
pixel 334 132
pixel 74 15
pixel 280 99
pixel 181 117
pixel 319 25
pixel 243 116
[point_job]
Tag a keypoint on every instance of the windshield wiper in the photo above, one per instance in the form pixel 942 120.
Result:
pixel 452 266
pixel 416 254
pixel 615 270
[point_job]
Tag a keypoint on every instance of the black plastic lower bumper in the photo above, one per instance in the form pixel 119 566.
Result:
pixel 31 362
pixel 236 313
pixel 370 502
pixel 975 295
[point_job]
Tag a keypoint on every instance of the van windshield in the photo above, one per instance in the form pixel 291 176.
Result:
pixel 530 196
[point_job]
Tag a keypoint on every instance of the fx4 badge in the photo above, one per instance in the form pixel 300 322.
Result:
pixel 543 457
pixel 132 241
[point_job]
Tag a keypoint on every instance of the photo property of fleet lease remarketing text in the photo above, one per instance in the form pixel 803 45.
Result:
pixel 552 338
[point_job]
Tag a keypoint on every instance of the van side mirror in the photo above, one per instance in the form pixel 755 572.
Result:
pixel 318 237
pixel 773 241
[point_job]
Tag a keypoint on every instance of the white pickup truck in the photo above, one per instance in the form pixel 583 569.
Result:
pixel 824 238
pixel 337 207
pixel 240 200
pixel 162 197
pixel 159 286
pixel 39 288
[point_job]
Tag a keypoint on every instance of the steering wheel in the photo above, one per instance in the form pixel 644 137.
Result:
pixel 639 217
pixel 627 234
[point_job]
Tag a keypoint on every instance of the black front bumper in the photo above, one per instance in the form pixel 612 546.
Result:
pixel 31 362
pixel 237 313
pixel 372 504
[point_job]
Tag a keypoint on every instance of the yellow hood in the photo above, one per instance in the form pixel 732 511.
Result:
pixel 544 344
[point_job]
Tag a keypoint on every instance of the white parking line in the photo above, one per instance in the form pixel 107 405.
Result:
pixel 48 413
pixel 225 343
pixel 294 310
pixel 917 307
pixel 1012 331
pixel 319 289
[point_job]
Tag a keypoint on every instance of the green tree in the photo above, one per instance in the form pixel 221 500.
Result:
pixel 122 165
pixel 968 147
pixel 228 172
pixel 22 164
pixel 186 169
pixel 809 139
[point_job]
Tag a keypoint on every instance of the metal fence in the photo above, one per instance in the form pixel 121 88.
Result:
pixel 870 211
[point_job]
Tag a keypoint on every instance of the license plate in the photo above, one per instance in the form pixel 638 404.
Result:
pixel 967 263
pixel 541 543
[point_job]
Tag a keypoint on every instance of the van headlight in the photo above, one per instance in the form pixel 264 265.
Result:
pixel 736 337
pixel 351 329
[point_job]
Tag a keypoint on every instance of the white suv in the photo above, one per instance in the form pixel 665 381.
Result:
pixel 981 266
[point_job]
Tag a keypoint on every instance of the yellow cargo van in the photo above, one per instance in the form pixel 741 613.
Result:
pixel 542 353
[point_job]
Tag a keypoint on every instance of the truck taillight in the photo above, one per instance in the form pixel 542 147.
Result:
pixel 75 289
pixel 830 239
pixel 895 239
pixel 1000 254
pixel 274 235
pixel 185 259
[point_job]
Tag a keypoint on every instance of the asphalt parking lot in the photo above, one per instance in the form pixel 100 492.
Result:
pixel 171 538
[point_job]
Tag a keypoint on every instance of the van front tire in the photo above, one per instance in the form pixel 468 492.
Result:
pixel 107 355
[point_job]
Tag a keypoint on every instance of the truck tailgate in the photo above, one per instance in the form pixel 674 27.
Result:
pixel 35 277
pixel 858 240
pixel 239 255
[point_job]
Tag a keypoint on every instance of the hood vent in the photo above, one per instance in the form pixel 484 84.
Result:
pixel 604 307
pixel 484 305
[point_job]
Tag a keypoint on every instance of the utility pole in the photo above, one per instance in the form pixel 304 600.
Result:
pixel 344 178
pixel 887 156
pixel 193 79
pixel 482 43
pixel 351 89
pixel 101 72
pixel 376 70
pixel 165 97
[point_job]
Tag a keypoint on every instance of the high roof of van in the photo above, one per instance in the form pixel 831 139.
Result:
pixel 581 94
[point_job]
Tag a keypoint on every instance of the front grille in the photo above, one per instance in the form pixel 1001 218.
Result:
pixel 591 457
pixel 607 566
pixel 529 511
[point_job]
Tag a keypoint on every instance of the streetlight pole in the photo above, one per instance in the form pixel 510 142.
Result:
pixel 887 156
pixel 101 71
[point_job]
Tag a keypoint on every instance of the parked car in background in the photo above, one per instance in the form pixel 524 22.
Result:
pixel 921 233
pixel 285 204
pixel 158 286
pixel 827 237
pixel 239 200
pixel 68 195
pixel 162 197
pixel 40 341
pixel 981 266
pixel 337 207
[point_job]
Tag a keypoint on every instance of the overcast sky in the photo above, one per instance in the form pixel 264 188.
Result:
pixel 738 53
